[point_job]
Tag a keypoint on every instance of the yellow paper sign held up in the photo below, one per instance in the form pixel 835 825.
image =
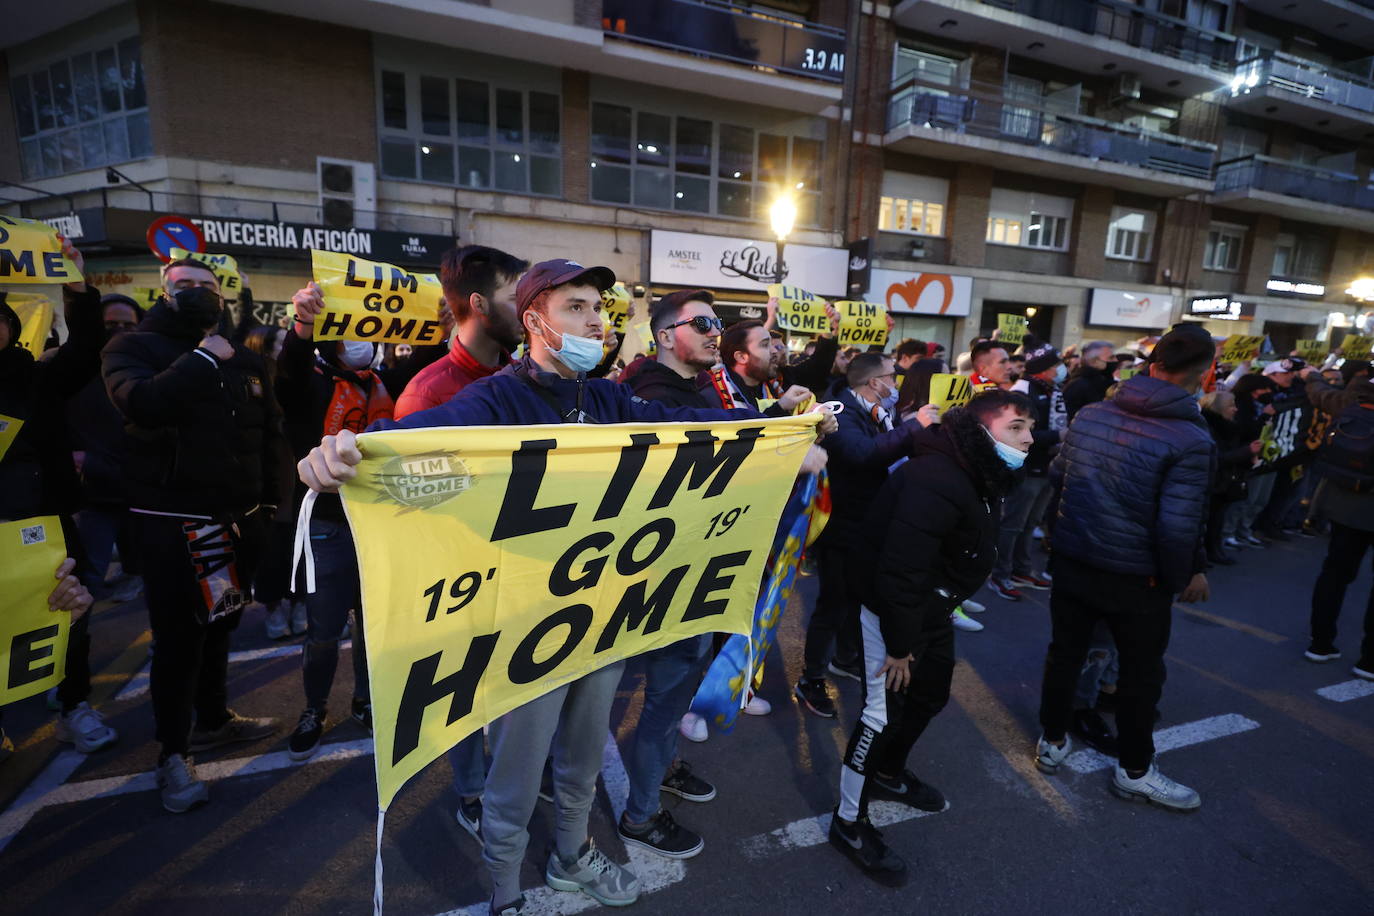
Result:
pixel 145 296
pixel 31 253
pixel 1312 351
pixel 615 307
pixel 1239 347
pixel 36 312
pixel 799 311
pixel 862 324
pixel 1356 346
pixel 225 268
pixel 947 390
pixel 33 639
pixel 9 428
pixel 477 602
pixel 1013 328
pixel 375 302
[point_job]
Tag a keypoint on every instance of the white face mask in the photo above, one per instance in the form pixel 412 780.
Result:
pixel 355 354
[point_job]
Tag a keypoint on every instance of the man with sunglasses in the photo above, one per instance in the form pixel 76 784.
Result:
pixel 687 332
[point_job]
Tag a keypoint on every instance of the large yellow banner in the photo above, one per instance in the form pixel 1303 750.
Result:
pixel 368 300
pixel 31 253
pixel 499 563
pixel 33 639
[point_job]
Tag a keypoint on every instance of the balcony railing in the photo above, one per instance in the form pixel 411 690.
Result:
pixel 1291 179
pixel 1305 78
pixel 986 111
pixel 1139 28
pixel 724 31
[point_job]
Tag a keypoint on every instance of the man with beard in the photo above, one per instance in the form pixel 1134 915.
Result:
pixel 745 379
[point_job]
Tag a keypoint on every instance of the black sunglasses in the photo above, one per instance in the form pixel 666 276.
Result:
pixel 701 323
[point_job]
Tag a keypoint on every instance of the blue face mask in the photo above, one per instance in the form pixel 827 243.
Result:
pixel 1061 372
pixel 1011 457
pixel 580 354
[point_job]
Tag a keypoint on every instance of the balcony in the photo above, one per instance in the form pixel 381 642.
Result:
pixel 1090 36
pixel 1260 184
pixel 1352 21
pixel 1307 94
pixel 982 124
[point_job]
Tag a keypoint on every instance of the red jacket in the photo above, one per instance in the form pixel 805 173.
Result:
pixel 441 380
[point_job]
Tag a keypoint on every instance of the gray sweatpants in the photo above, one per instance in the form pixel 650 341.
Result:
pixel 573 721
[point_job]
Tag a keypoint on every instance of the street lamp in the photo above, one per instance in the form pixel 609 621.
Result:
pixel 1362 288
pixel 782 215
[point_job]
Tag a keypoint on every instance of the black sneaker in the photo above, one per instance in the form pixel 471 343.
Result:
pixel 1318 652
pixel 305 740
pixel 508 909
pixel 908 790
pixel 469 817
pixel 852 670
pixel 863 845
pixel 815 696
pixel 683 783
pixel 1089 725
pixel 362 713
pixel 664 836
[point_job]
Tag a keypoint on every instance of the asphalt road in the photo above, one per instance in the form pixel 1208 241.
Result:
pixel 1284 773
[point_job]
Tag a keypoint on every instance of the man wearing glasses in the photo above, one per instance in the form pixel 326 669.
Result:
pixel 687 332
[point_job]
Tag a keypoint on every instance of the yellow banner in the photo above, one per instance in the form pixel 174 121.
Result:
pixel 31 253
pixel 799 311
pixel 1013 328
pixel 615 307
pixel 33 639
pixel 36 312
pixel 862 324
pixel 1356 347
pixel 368 300
pixel 9 428
pixel 145 296
pixel 1239 348
pixel 223 266
pixel 948 390
pixel 499 563
pixel 1313 351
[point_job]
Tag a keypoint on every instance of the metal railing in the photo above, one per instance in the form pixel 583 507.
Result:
pixel 987 111
pixel 1305 78
pixel 1140 28
pixel 733 33
pixel 1292 179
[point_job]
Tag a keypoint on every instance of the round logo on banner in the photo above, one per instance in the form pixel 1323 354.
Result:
pixel 168 232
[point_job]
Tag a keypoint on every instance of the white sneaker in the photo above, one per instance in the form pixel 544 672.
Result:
pixel 973 607
pixel 757 706
pixel 1157 789
pixel 1049 757
pixel 693 728
pixel 964 622
pixel 1234 544
pixel 277 625
pixel 86 729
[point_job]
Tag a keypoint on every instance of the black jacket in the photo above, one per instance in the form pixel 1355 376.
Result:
pixel 814 371
pixel 933 527
pixel 205 436
pixel 860 452
pixel 1136 476
pixel 1234 457
pixel 1087 386
pixel 1337 504
pixel 96 428
pixel 1044 440
pixel 653 381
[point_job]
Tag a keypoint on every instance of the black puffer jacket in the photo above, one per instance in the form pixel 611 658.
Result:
pixel 1234 457
pixel 932 527
pixel 1136 474
pixel 205 436
pixel 860 452
pixel 1087 386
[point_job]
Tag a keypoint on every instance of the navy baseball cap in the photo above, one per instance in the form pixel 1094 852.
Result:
pixel 548 274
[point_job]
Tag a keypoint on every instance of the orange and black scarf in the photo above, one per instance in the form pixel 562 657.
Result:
pixel 359 399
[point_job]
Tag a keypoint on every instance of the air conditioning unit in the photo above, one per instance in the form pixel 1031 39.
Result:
pixel 918 250
pixel 1127 86
pixel 348 193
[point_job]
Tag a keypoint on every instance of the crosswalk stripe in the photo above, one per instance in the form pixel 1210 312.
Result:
pixel 1169 739
pixel 1346 691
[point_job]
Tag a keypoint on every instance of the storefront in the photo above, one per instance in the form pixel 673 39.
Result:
pixel 926 306
pixel 1123 316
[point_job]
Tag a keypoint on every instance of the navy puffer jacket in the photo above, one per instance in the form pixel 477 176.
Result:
pixel 1135 473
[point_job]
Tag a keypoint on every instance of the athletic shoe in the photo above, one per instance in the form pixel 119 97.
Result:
pixel 1038 533
pixel 1234 543
pixel 693 728
pixel 299 620
pixel 964 622
pixel 181 788
pixel 1004 589
pixel 863 845
pixel 85 728
pixel 1156 789
pixel 853 670
pixel 685 784
pixel 815 696
pixel 469 817
pixel 1048 757
pixel 908 790
pixel 662 835
pixel 757 706
pixel 595 875
pixel 236 728
pixel 1089 725
pixel 362 713
pixel 973 607
pixel 127 589
pixel 1255 541
pixel 1031 580
pixel 1320 653
pixel 305 740
pixel 1364 669
pixel 277 623
pixel 509 909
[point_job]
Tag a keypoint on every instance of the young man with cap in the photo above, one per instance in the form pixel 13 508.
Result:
pixel 559 305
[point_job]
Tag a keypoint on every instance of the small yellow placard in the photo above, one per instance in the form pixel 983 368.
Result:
pixel 1239 348
pixel 375 302
pixel 799 311
pixel 1356 346
pixel 31 253
pixel 222 265
pixel 615 308
pixel 9 428
pixel 1013 328
pixel 947 390
pixel 862 324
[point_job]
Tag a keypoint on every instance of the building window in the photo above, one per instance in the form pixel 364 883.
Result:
pixel 82 112
pixel 666 162
pixel 916 216
pixel 1223 247
pixel 1300 256
pixel 469 133
pixel 1130 234
pixel 1029 220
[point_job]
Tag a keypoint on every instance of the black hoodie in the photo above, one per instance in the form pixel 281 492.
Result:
pixel 653 381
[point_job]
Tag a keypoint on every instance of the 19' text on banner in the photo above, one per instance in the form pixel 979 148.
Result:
pixel 375 302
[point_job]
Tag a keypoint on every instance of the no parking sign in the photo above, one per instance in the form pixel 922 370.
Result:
pixel 168 232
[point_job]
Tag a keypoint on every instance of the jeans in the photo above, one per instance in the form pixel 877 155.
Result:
pixel 337 591
pixel 671 675
pixel 1021 512
pixel 1139 615
pixel 1261 487
pixel 1343 557
pixel 1100 668
pixel 469 761
pixel 99 527
pixel 835 618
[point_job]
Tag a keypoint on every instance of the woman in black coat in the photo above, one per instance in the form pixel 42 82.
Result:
pixel 1235 454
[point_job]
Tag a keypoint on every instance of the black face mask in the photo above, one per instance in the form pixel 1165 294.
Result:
pixel 199 307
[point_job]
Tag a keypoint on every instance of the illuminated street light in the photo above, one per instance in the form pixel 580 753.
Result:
pixel 782 215
pixel 1362 288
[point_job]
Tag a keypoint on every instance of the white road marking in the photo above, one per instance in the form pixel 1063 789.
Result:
pixel 33 798
pixel 1169 739
pixel 813 831
pixel 1347 690
pixel 138 684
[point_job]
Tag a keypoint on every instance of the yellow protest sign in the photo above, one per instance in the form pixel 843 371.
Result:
pixel 145 296
pixel 499 563
pixel 862 324
pixel 1239 348
pixel 799 311
pixel 31 253
pixel 948 390
pixel 1356 346
pixel 36 312
pixel 225 268
pixel 1312 351
pixel 368 300
pixel 615 307
pixel 9 428
pixel 1126 372
pixel 33 639
pixel 1013 328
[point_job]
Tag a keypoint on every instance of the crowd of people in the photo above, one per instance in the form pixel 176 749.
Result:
pixel 183 441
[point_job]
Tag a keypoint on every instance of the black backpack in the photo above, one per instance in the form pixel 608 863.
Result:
pixel 1347 454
